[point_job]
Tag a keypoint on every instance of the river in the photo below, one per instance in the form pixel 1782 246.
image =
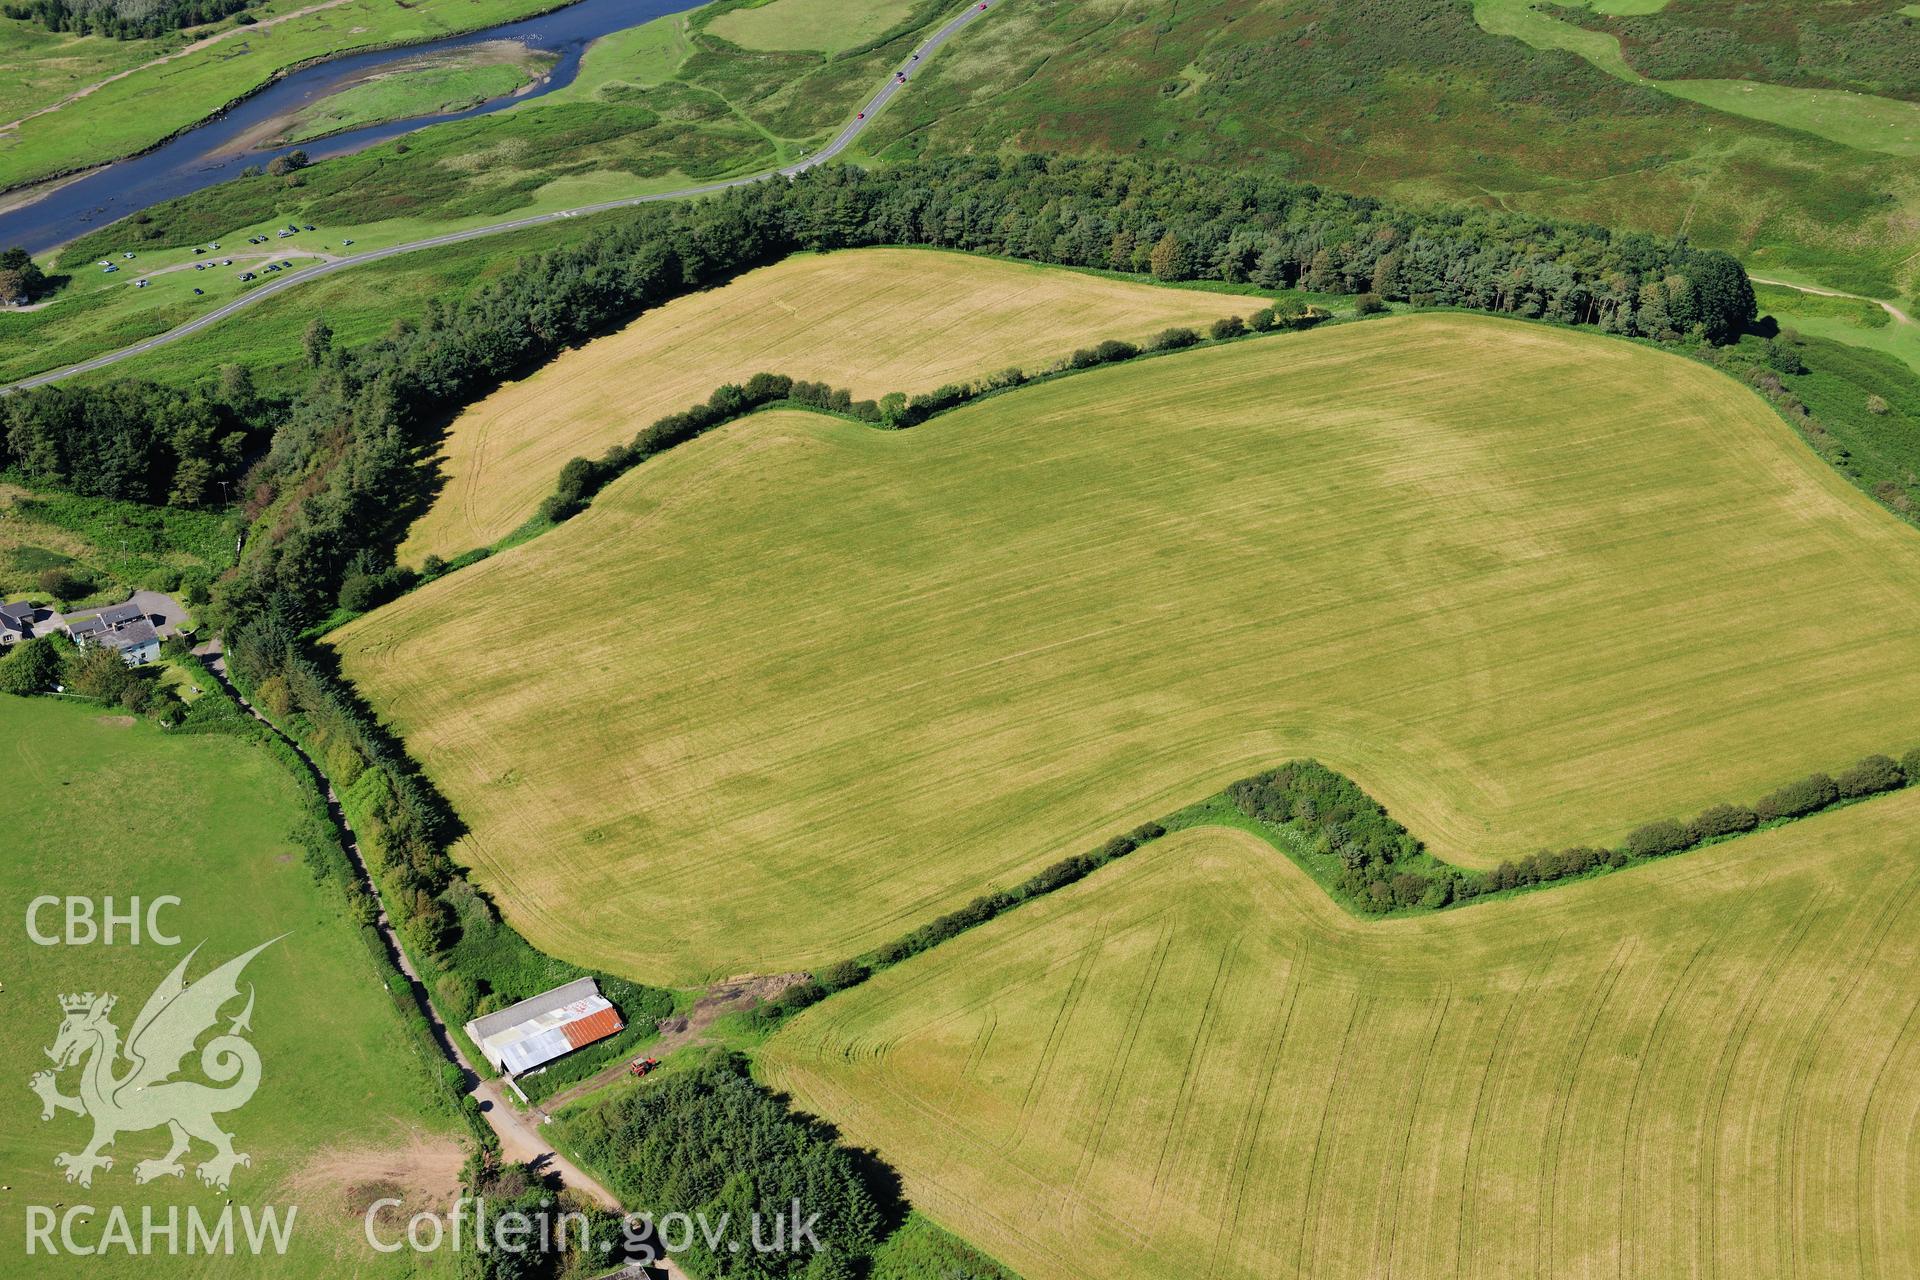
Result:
pixel 214 151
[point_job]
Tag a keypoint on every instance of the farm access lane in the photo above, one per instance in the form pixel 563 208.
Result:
pixel 841 141
pixel 1899 316
pixel 520 1140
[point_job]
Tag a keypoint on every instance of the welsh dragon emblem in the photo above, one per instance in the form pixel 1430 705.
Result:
pixel 126 1089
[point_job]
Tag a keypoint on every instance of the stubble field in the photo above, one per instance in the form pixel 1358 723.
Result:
pixel 869 320
pixel 792 689
pixel 1194 1063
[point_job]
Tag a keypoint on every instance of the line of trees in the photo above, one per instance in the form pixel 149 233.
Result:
pixel 474 961
pixel 344 466
pixel 1379 866
pixel 122 19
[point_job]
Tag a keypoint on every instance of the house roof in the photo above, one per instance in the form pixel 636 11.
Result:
pixel 19 612
pixel 132 635
pixel 122 614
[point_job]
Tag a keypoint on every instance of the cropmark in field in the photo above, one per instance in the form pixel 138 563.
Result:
pixel 799 686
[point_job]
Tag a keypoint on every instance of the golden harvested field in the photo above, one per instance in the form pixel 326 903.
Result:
pixel 1193 1063
pixel 794 688
pixel 870 320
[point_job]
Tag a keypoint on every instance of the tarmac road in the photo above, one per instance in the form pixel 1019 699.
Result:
pixel 840 143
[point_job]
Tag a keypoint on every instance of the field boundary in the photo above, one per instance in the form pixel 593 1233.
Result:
pixel 582 479
pixel 1310 849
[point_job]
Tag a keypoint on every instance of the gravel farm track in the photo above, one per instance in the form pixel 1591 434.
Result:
pixel 841 141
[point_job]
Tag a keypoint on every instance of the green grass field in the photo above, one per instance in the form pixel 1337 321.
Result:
pixel 1193 1063
pixel 181 84
pixel 99 806
pixel 44 66
pixel 1852 119
pixel 1854 321
pixel 801 685
pixel 426 86
pixel 825 25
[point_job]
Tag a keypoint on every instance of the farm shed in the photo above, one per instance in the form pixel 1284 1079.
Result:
pixel 551 1025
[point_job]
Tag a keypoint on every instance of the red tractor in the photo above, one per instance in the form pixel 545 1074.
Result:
pixel 643 1066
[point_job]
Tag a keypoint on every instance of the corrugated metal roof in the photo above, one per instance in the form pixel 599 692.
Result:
pixel 524 1055
pixel 546 1027
pixel 532 1007
pixel 595 1026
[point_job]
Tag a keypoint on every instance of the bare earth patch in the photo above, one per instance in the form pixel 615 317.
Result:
pixel 729 995
pixel 421 1171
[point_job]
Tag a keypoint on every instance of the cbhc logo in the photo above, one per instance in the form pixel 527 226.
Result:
pixel 85 925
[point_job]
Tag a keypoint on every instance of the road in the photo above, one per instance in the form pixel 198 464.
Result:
pixel 520 1138
pixel 1899 316
pixel 841 141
